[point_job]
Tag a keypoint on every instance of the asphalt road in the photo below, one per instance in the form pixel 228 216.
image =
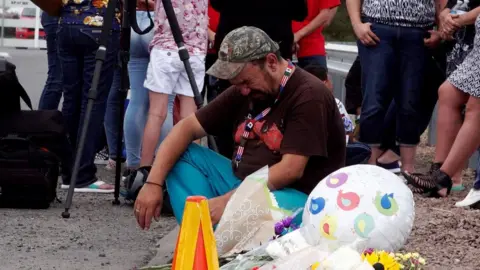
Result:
pixel 97 236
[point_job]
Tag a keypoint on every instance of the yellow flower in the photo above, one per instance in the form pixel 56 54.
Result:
pixel 422 261
pixel 407 256
pixel 415 255
pixel 384 258
pixel 315 266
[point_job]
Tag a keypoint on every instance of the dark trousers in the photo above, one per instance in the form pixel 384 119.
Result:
pixel 357 153
pixel 112 119
pixel 434 76
pixel 52 92
pixel 392 70
pixel 77 46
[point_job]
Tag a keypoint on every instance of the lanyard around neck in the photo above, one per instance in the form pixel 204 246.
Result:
pixel 251 122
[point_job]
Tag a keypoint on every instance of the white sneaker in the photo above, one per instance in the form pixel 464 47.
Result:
pixel 473 197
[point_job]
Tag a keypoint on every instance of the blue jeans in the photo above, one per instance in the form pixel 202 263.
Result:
pixel 77 46
pixel 434 76
pixel 112 119
pixel 399 58
pixel 52 92
pixel 200 171
pixel 137 110
pixel 357 153
pixel 320 60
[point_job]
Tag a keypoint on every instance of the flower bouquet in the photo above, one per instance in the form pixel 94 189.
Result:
pixel 380 259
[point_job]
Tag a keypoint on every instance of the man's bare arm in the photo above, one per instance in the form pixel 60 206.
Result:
pixel 319 21
pixel 173 146
pixel 51 7
pixel 287 171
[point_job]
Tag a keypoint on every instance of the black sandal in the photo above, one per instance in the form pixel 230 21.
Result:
pixel 435 167
pixel 431 183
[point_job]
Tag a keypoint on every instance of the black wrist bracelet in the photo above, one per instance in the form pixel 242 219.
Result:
pixel 155 184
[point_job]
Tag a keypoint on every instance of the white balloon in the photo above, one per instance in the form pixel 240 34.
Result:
pixel 362 203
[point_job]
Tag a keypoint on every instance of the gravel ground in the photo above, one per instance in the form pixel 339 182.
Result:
pixel 98 235
pixel 448 237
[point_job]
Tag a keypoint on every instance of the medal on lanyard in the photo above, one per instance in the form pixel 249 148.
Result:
pixel 251 122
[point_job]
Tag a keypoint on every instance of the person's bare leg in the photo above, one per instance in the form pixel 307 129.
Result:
pixel 157 113
pixel 449 120
pixel 407 157
pixel 187 107
pixel 457 177
pixel 466 141
pixel 376 153
pixel 388 157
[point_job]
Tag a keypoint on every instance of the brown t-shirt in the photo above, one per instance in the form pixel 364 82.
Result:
pixel 305 121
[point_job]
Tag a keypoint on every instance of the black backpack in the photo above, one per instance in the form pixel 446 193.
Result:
pixel 32 146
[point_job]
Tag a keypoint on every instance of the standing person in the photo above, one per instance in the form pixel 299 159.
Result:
pixel 308 33
pixel 138 106
pixel 166 73
pixel 79 32
pixel 392 51
pixel 455 143
pixel 52 92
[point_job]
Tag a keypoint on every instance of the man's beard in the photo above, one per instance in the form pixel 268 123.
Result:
pixel 265 95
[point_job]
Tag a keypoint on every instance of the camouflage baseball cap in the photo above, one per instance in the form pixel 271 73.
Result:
pixel 240 46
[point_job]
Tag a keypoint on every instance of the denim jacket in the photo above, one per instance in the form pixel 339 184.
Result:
pixel 88 12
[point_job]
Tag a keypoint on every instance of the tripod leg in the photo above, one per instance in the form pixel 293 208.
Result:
pixel 92 97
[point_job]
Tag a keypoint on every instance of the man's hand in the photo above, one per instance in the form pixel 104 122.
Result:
pixel 365 34
pixel 296 37
pixel 217 207
pixel 433 40
pixel 148 205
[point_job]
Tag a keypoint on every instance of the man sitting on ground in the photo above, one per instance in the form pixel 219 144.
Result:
pixel 279 115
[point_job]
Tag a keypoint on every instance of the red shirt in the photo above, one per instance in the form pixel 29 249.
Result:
pixel 313 44
pixel 213 17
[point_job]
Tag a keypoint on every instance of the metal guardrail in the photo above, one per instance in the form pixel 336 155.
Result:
pixel 340 58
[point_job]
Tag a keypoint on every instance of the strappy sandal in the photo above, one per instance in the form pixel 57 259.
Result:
pixel 435 167
pixel 431 183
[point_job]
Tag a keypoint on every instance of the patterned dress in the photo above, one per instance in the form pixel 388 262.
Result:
pixel 463 43
pixel 467 76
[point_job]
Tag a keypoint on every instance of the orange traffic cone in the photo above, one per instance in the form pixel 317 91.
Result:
pixel 196 248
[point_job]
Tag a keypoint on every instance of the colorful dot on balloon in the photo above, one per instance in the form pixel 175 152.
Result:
pixel 347 201
pixel 337 180
pixel 328 227
pixel 316 205
pixel 364 225
pixel 386 204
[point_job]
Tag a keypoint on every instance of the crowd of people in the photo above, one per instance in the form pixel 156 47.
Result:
pixel 262 67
